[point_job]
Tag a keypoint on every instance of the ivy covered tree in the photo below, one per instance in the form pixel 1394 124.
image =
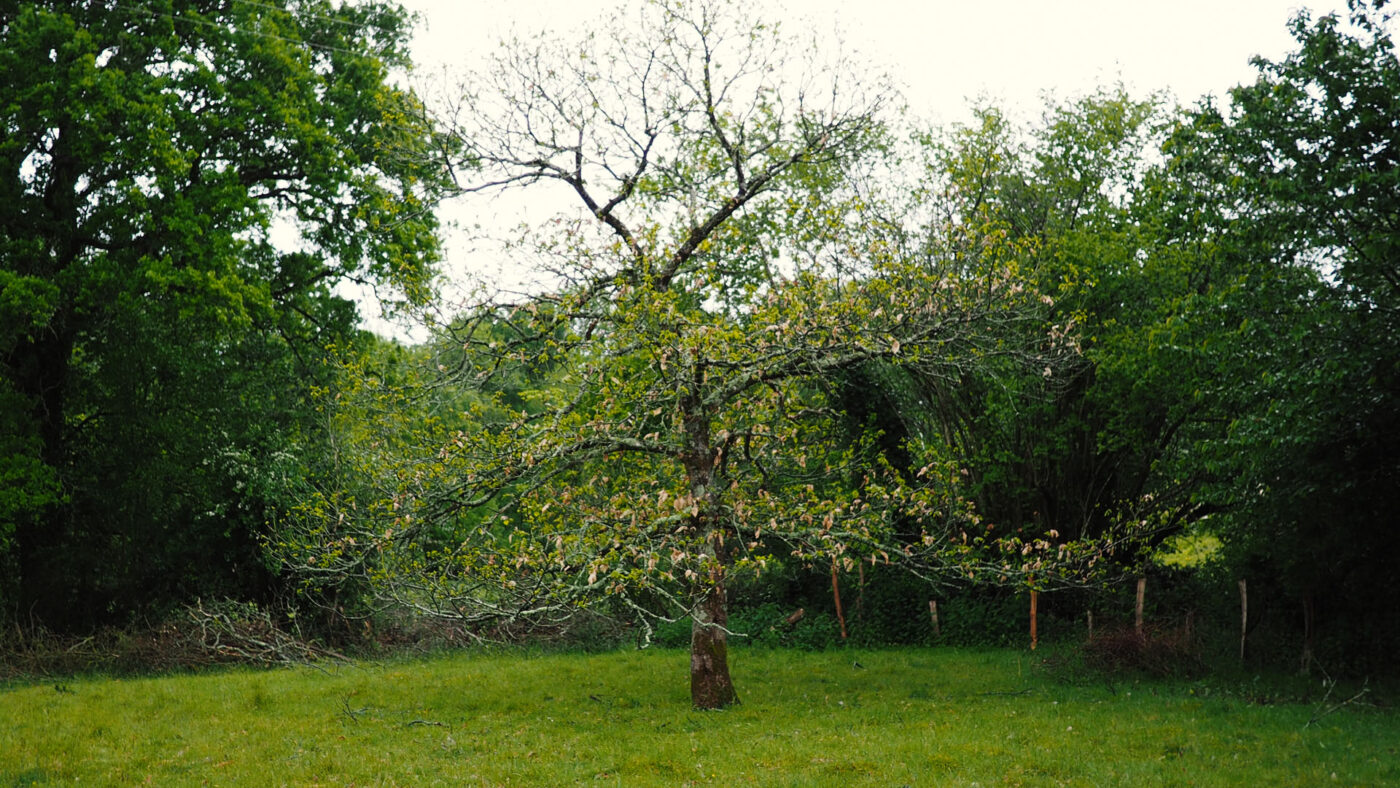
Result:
pixel 665 412
pixel 182 187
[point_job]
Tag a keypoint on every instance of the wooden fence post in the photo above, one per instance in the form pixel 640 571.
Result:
pixel 1309 619
pixel 836 594
pixel 933 614
pixel 860 593
pixel 1244 616
pixel 1137 614
pixel 1035 598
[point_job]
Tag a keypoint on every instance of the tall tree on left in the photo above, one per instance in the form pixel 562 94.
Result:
pixel 182 186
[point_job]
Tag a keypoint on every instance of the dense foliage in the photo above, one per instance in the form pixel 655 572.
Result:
pixel 782 339
pixel 1303 171
pixel 183 186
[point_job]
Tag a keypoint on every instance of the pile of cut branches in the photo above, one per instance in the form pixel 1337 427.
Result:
pixel 243 633
pixel 197 636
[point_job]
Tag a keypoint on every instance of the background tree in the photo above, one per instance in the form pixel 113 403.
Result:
pixel 1083 449
pixel 156 339
pixel 1234 300
pixel 1303 167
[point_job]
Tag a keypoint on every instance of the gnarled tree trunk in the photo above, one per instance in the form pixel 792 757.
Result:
pixel 710 685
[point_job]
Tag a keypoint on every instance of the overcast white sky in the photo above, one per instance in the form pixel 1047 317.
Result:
pixel 943 52
pixel 946 51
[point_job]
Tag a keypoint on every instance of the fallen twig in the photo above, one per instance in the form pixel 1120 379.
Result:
pixel 353 714
pixel 1323 712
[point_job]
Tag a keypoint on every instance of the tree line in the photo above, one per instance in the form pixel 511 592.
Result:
pixel 783 325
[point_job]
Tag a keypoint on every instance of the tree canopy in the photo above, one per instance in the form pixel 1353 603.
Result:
pixel 775 325
pixel 737 252
pixel 184 185
pixel 1303 166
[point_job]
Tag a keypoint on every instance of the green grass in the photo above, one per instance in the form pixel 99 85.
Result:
pixel 905 717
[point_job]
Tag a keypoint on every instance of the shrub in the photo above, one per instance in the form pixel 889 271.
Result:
pixel 1156 650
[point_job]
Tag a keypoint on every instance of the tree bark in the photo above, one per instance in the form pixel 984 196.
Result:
pixel 710 685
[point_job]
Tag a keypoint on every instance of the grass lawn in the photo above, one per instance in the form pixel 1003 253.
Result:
pixel 882 718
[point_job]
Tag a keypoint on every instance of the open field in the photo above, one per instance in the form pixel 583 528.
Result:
pixel 898 717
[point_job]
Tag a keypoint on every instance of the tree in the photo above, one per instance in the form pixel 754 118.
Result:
pixel 1304 166
pixel 734 258
pixel 1090 448
pixel 156 337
